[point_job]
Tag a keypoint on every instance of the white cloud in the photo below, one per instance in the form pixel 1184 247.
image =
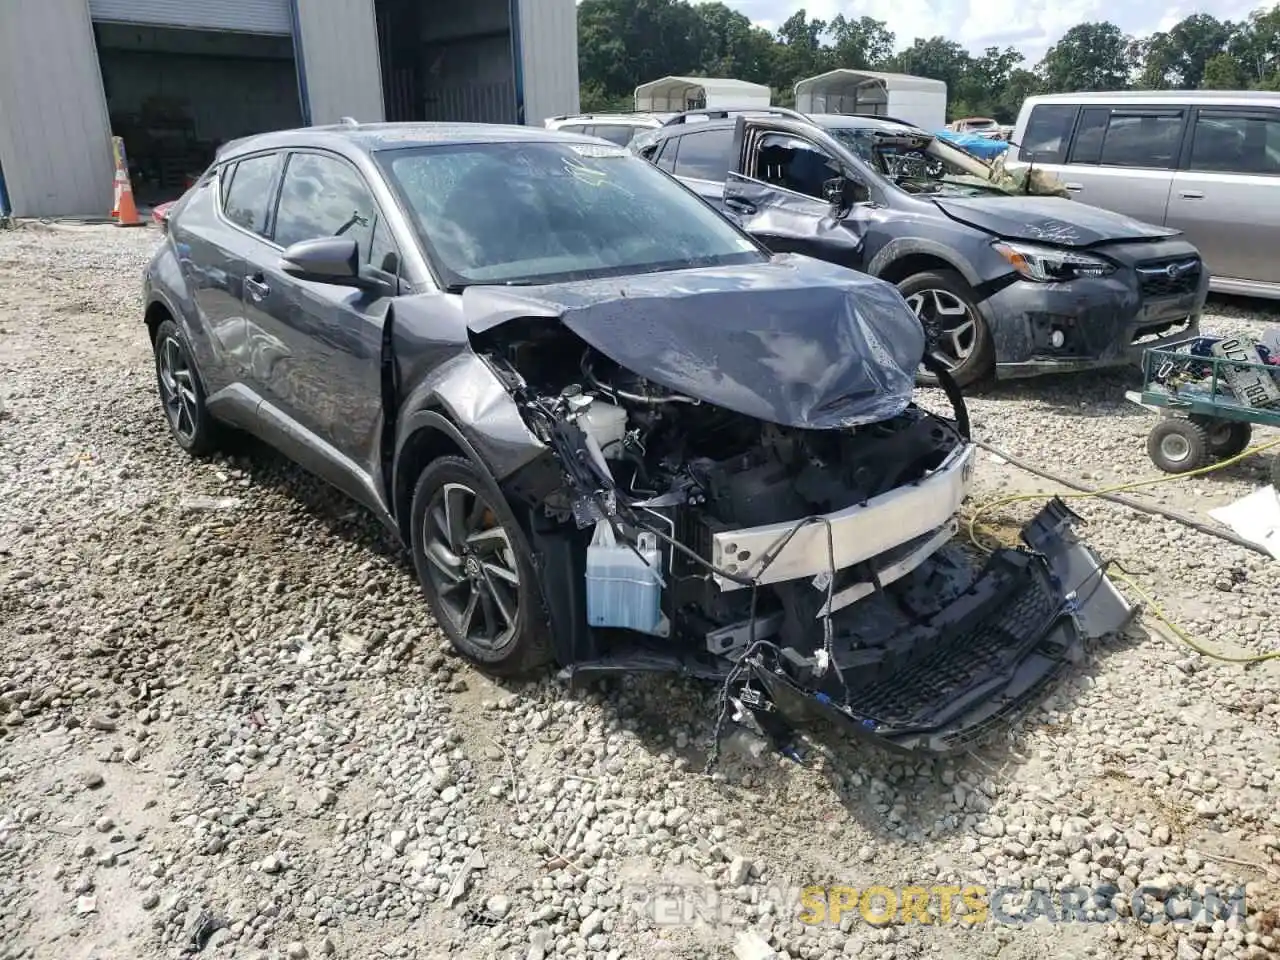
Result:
pixel 1029 25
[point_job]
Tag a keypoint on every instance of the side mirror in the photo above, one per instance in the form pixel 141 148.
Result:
pixel 334 260
pixel 843 192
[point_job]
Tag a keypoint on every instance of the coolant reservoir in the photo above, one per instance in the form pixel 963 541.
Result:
pixel 607 425
pixel 624 585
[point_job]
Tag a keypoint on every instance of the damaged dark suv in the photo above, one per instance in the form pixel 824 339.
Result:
pixel 614 431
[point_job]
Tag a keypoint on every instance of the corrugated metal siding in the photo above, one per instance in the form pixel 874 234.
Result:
pixel 340 60
pixel 548 58
pixel 55 140
pixel 246 16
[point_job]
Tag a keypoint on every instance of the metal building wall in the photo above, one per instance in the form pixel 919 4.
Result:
pixel 547 38
pixel 55 140
pixel 336 49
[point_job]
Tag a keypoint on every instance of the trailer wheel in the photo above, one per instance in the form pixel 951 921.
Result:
pixel 1178 446
pixel 1226 438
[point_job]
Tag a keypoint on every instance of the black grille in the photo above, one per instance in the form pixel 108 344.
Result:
pixel 910 697
pixel 1169 277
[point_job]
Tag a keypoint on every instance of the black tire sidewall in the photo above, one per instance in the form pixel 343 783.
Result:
pixel 1241 434
pixel 530 647
pixel 980 363
pixel 204 438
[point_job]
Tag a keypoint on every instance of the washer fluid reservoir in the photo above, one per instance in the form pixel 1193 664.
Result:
pixel 607 425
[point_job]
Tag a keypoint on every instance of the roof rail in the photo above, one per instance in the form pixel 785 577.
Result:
pixel 349 122
pixel 722 113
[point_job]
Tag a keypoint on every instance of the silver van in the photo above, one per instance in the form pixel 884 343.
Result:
pixel 1206 162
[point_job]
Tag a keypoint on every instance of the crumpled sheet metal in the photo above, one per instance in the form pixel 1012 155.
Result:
pixel 794 341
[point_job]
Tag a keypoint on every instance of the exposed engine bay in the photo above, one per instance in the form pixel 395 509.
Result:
pixel 806 569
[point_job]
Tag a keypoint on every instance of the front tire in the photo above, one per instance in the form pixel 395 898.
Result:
pixel 476 569
pixel 181 393
pixel 956 332
pixel 1178 446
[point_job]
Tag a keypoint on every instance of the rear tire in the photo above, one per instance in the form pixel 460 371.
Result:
pixel 182 392
pixel 1178 446
pixel 476 569
pixel 954 327
pixel 1226 438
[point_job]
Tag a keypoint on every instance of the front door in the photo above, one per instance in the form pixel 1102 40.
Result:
pixel 327 387
pixel 780 198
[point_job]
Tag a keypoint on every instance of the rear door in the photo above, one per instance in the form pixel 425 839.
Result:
pixel 233 236
pixel 1226 196
pixel 703 160
pixel 1123 158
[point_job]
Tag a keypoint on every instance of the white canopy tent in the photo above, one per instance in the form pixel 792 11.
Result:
pixel 917 100
pixel 675 94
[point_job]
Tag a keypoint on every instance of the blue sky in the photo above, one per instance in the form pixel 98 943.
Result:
pixel 1029 25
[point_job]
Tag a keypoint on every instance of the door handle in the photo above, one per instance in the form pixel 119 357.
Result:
pixel 257 289
pixel 1073 187
pixel 1191 195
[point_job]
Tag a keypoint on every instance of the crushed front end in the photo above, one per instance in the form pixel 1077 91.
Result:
pixel 791 540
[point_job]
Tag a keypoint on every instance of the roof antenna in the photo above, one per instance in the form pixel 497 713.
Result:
pixel 349 122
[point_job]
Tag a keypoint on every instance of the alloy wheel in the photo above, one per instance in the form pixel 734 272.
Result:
pixel 177 388
pixel 948 324
pixel 472 566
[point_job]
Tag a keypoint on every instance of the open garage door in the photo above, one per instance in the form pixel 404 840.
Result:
pixel 448 61
pixel 176 93
pixel 249 16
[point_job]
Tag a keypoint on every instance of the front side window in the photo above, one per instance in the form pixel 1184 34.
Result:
pixel 706 155
pixel 794 164
pixel 1047 133
pixel 524 213
pixel 247 200
pixel 1223 143
pixel 665 157
pixel 323 197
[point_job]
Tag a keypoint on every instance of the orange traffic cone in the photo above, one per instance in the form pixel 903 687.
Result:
pixel 124 211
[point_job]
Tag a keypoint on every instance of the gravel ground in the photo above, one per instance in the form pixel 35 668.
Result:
pixel 228 724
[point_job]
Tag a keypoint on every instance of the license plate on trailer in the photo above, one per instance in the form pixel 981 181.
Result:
pixel 1250 386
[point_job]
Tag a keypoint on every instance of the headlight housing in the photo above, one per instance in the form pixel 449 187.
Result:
pixel 1051 265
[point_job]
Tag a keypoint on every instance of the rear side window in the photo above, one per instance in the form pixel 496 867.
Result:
pixel 1047 133
pixel 1222 143
pixel 324 197
pixel 705 155
pixel 618 133
pixel 248 199
pixel 1087 145
pixel 575 128
pixel 1142 140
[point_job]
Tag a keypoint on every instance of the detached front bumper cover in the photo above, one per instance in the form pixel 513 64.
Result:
pixel 995 650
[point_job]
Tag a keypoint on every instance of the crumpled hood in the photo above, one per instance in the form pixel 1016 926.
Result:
pixel 794 341
pixel 1053 220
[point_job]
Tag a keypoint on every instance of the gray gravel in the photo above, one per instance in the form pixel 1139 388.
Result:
pixel 229 725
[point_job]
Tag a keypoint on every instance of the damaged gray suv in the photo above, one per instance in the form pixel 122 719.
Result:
pixel 614 432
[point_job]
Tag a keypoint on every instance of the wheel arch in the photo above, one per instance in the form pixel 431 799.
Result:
pixel 428 434
pixel 901 259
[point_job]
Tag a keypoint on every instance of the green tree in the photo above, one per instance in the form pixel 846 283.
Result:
pixel 1221 72
pixel 859 44
pixel 1090 56
pixel 800 52
pixel 1177 59
pixel 936 58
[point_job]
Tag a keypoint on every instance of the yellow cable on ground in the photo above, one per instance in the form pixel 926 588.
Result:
pixel 1152 606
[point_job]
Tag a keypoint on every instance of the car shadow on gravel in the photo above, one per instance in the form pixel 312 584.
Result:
pixel 1071 394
